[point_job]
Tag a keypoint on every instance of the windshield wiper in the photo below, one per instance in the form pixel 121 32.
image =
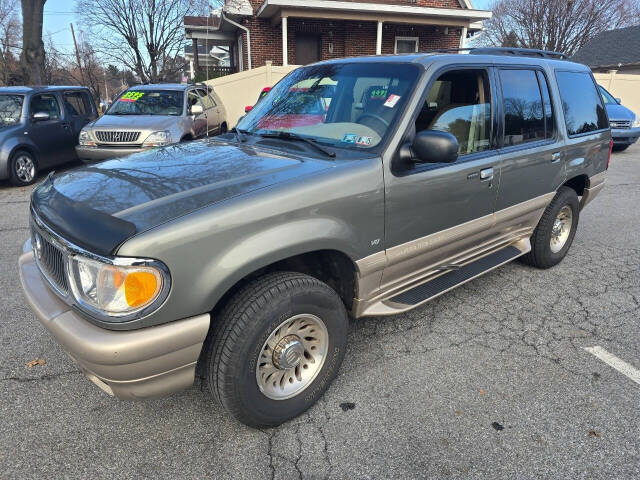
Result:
pixel 240 134
pixel 294 136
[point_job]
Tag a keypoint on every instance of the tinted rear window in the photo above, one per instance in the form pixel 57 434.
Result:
pixel 523 107
pixel 582 105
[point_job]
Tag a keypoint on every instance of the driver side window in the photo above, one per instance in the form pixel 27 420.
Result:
pixel 459 102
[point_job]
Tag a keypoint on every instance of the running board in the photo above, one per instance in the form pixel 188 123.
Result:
pixel 453 278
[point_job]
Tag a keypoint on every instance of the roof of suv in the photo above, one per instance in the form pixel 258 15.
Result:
pixel 40 88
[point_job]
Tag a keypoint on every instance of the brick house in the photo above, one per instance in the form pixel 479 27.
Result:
pixel 298 32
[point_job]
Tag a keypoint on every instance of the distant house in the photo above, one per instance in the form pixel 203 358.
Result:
pixel 613 50
pixel 298 32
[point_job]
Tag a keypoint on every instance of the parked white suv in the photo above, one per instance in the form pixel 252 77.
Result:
pixel 147 116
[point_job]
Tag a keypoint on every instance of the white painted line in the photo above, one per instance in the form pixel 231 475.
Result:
pixel 613 361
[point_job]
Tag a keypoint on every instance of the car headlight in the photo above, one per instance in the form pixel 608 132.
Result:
pixel 636 121
pixel 119 288
pixel 85 139
pixel 158 139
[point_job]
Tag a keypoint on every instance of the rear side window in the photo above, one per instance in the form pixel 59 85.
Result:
pixel 76 104
pixel 582 105
pixel 524 112
pixel 206 99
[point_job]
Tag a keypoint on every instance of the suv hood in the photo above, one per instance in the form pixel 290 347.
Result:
pixel 99 206
pixel 619 112
pixel 135 122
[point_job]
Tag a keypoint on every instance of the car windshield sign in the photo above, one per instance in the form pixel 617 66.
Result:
pixel 10 109
pixel 148 102
pixel 350 106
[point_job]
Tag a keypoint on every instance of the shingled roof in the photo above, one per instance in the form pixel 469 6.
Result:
pixel 611 49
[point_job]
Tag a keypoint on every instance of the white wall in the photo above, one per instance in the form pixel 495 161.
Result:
pixel 241 89
pixel 625 86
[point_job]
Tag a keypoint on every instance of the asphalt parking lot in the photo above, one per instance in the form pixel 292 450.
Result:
pixel 491 380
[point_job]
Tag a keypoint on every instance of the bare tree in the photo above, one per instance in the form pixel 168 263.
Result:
pixel 562 26
pixel 9 40
pixel 144 35
pixel 32 56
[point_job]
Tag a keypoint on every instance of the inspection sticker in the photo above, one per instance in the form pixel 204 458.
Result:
pixel 364 141
pixel 131 96
pixel 392 100
pixel 349 138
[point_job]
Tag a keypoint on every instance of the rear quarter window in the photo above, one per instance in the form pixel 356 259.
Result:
pixel 581 103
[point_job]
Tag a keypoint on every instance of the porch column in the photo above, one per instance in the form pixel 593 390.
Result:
pixel 196 61
pixel 463 37
pixel 379 39
pixel 285 52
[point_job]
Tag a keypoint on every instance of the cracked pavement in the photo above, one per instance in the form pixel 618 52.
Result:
pixel 431 388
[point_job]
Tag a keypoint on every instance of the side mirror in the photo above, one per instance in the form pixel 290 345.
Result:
pixel 433 146
pixel 248 108
pixel 41 117
pixel 619 100
pixel 196 109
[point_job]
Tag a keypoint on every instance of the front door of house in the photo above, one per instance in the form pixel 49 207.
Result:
pixel 307 48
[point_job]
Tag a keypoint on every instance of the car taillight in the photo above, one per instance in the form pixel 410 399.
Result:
pixel 610 150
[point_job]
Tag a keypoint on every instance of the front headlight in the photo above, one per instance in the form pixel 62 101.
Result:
pixel 158 139
pixel 636 121
pixel 117 289
pixel 85 139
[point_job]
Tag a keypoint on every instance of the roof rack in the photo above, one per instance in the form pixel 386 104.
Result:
pixel 516 52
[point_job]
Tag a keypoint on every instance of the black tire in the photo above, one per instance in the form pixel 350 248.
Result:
pixel 16 174
pixel 620 148
pixel 223 129
pixel 541 254
pixel 241 329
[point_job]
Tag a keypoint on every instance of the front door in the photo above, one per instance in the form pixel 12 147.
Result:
pixel 435 212
pixel 199 119
pixel 307 48
pixel 53 137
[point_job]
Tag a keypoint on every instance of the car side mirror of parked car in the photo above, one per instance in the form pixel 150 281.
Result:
pixel 619 100
pixel 41 117
pixel 431 146
pixel 196 109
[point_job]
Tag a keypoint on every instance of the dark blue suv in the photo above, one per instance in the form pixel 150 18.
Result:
pixel 39 128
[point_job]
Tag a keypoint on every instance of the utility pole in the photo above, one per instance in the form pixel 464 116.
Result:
pixel 73 34
pixel 106 88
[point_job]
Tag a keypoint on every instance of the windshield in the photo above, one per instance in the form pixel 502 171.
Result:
pixel 148 102
pixel 10 109
pixel 344 105
pixel 607 97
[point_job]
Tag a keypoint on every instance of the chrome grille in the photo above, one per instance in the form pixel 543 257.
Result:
pixel 620 123
pixel 50 259
pixel 107 136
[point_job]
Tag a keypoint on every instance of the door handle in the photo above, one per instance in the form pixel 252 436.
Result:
pixel 486 174
pixel 555 157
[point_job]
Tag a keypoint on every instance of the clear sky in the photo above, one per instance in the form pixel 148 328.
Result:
pixel 59 13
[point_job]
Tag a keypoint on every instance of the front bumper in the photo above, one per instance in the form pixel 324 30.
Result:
pixel 625 136
pixel 93 154
pixel 132 364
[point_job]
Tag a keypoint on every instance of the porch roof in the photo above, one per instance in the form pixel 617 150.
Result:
pixel 367 11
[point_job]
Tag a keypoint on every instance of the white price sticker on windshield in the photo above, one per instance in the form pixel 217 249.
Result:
pixel 392 100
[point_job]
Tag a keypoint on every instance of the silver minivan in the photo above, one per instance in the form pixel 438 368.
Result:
pixel 154 115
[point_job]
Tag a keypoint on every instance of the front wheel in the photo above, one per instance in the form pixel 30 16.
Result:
pixel 554 234
pixel 23 168
pixel 275 348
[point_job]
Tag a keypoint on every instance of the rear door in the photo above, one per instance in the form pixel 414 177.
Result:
pixel 79 107
pixel 531 149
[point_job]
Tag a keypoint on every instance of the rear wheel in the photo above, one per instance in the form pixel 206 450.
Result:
pixel 23 168
pixel 275 348
pixel 223 129
pixel 554 234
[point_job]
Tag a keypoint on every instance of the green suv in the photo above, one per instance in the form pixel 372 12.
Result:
pixel 357 187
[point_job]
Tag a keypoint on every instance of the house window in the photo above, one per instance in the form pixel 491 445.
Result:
pixel 406 45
